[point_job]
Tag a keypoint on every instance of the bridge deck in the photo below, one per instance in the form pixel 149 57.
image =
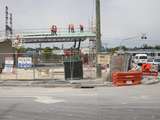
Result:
pixel 60 37
pixel 44 37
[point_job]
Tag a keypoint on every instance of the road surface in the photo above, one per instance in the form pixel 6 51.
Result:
pixel 109 103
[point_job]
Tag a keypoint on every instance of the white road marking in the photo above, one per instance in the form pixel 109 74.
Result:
pixel 140 97
pixel 47 95
pixel 47 100
pixel 124 103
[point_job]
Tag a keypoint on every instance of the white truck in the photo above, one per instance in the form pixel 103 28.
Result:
pixel 140 59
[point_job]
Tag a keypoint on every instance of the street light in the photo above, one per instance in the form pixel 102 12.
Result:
pixel 142 36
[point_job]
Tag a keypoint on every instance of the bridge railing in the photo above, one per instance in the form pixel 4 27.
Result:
pixel 60 31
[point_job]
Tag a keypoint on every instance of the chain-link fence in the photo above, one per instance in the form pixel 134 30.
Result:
pixel 44 66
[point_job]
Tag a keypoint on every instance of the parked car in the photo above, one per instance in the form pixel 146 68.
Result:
pixel 154 61
pixel 140 59
pixel 150 61
pixel 157 62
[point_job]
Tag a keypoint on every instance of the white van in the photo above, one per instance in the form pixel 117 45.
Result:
pixel 140 59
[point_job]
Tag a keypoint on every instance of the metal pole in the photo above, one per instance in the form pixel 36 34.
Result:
pixel 98 38
pixel 33 65
pixel 16 64
pixel 11 24
pixel 6 21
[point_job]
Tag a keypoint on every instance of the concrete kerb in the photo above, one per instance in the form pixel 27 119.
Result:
pixel 33 83
pixel 64 83
pixel 150 82
pixel 90 83
pixel 55 83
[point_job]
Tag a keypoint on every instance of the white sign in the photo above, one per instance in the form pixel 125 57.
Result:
pixel 103 59
pixel 8 68
pixel 9 60
pixel 24 62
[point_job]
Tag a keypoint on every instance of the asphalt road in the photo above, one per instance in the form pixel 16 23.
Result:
pixel 122 103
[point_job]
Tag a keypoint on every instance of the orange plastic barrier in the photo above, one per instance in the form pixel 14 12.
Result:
pixel 149 70
pixel 146 67
pixel 150 73
pixel 126 78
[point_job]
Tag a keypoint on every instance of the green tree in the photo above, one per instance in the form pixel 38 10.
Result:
pixel 21 50
pixel 124 48
pixel 56 48
pixel 47 52
pixel 113 50
pixel 145 46
pixel 157 47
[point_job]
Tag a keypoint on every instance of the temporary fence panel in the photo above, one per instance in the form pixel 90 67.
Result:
pixel 48 66
pixel 126 78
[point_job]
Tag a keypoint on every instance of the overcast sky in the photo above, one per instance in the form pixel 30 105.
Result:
pixel 120 18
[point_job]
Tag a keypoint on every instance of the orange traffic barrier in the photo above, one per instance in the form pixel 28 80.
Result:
pixel 146 67
pixel 150 73
pixel 149 70
pixel 126 78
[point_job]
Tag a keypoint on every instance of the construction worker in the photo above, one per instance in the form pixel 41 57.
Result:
pixel 54 30
pixel 72 28
pixel 81 28
pixel 69 28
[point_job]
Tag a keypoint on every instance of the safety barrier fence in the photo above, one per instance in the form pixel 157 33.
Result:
pixel 126 78
pixel 150 70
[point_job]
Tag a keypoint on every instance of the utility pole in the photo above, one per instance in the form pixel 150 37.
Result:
pixel 8 28
pixel 11 24
pixel 6 21
pixel 98 37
